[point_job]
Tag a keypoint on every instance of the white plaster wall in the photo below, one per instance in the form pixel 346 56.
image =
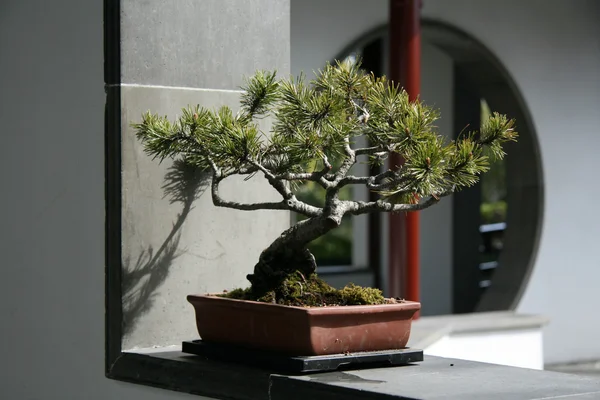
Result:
pixel 52 202
pixel 320 30
pixel 552 50
pixel 516 348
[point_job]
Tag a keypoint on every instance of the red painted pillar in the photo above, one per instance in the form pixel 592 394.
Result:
pixel 405 67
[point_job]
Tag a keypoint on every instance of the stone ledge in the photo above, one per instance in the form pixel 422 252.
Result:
pixel 438 378
pixel 181 372
pixel 435 378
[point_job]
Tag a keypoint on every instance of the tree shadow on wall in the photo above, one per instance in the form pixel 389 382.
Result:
pixel 183 184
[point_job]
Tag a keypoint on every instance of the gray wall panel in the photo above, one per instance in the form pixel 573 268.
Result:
pixel 204 44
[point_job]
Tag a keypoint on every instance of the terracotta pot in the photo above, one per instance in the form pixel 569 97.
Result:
pixel 303 331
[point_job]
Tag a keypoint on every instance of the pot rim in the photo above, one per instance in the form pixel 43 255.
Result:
pixel 405 305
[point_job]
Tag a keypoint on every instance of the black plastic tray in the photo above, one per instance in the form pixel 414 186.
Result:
pixel 302 364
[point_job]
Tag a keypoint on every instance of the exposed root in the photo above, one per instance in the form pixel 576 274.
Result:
pixel 287 276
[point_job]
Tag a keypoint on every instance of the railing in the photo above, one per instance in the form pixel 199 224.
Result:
pixel 492 240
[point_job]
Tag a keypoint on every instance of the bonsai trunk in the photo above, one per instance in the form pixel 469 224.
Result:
pixel 288 255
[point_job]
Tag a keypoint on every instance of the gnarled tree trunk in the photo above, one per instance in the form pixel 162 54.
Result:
pixel 289 254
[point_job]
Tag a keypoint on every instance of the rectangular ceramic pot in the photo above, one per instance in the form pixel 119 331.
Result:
pixel 303 331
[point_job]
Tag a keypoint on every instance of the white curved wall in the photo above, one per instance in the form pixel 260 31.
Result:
pixel 552 51
pixel 557 71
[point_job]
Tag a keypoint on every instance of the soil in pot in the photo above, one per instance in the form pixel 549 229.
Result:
pixel 311 291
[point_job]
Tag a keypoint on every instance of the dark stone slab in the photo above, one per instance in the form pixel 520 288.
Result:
pixel 192 374
pixel 439 378
pixel 302 364
pixel 433 379
pixel 202 44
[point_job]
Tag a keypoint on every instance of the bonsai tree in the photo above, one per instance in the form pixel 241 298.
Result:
pixel 313 139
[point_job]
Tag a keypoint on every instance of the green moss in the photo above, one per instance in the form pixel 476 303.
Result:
pixel 353 294
pixel 311 291
pixel 238 294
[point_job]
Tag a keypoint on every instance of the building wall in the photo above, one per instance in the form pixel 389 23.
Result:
pixel 175 241
pixel 52 107
pixel 552 51
pixel 52 291
pixel 557 71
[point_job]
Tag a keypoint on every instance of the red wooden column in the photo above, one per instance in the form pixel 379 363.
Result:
pixel 405 67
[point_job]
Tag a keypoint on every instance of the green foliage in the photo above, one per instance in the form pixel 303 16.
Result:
pixel 435 167
pixel 493 185
pixel 495 131
pixel 310 124
pixel 200 135
pixel 395 122
pixel 260 92
pixel 312 139
pixel 493 212
pixel 314 121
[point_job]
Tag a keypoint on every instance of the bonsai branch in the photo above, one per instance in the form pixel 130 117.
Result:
pixel 217 174
pixel 341 177
pixel 290 204
pixel 305 176
pixel 219 201
pixel 354 180
pixel 321 175
pixel 273 181
pixel 361 207
pixel 290 199
pixel 346 164
pixel 240 171
pixel 373 182
pixel 327 166
pixel 369 150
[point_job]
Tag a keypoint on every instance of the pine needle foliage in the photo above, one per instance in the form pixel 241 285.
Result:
pixel 312 138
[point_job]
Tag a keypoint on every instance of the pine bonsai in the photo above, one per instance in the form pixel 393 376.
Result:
pixel 312 139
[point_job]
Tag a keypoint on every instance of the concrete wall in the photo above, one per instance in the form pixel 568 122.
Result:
pixel 557 72
pixel 173 54
pixel 52 168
